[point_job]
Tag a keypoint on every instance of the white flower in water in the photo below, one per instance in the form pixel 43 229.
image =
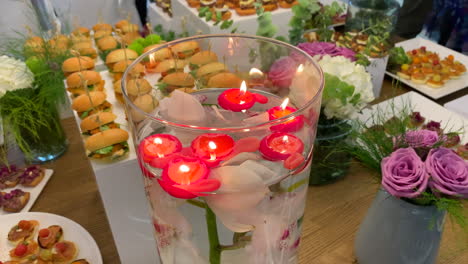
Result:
pixel 182 108
pixel 181 251
pixel 14 74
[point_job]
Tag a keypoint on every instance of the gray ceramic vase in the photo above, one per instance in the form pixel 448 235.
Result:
pixel 397 232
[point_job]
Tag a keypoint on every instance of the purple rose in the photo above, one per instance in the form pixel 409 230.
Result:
pixel 326 48
pixel 448 172
pixel 421 138
pixel 282 72
pixel 403 173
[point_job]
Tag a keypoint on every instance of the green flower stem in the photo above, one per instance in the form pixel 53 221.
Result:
pixel 197 203
pixel 297 185
pixel 215 248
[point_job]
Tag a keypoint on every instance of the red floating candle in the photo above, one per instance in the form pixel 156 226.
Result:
pixel 159 146
pixel 239 99
pixel 212 148
pixel 281 111
pixel 182 173
pixel 279 146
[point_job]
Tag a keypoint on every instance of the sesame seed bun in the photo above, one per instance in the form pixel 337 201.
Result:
pixel 224 80
pixel 73 64
pixel 84 102
pixel 137 87
pixel 210 69
pixel 94 121
pixel 106 138
pixel 76 79
pixel 203 57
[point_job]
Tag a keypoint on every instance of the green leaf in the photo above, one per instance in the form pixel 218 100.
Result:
pixel 152 39
pixel 208 16
pixel 84 114
pixel 219 15
pixel 158 28
pixel 104 128
pixel 335 88
pixel 104 151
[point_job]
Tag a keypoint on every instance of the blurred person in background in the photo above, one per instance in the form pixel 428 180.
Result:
pixel 142 8
pixel 411 17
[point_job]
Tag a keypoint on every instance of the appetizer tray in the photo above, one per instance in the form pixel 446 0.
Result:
pixel 119 110
pixel 450 86
pixel 428 109
pixel 87 247
pixel 34 194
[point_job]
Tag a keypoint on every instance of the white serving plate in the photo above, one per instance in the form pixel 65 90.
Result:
pixel 87 247
pixel 429 109
pixel 34 191
pixel 450 86
pixel 459 106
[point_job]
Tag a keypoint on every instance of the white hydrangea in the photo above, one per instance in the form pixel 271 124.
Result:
pixel 353 74
pixel 14 74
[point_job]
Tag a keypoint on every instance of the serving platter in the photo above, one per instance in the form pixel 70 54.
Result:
pixel 87 247
pixel 450 86
pixel 34 194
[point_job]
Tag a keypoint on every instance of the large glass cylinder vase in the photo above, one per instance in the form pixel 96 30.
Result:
pixel 372 15
pixel 224 142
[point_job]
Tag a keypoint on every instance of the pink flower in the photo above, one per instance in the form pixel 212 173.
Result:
pixel 282 72
pixel 325 48
pixel 403 173
pixel 448 172
pixel 421 138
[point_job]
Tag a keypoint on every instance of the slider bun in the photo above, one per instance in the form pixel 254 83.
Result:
pixel 102 27
pixel 121 23
pixel 102 33
pixel 118 86
pixel 107 43
pixel 94 121
pixel 203 57
pixel 89 52
pixel 179 79
pixel 79 38
pixel 224 80
pixel 129 37
pixel 121 66
pixel 76 79
pixel 184 46
pixel 119 55
pixel 147 103
pixel 82 45
pixel 136 87
pixel 166 65
pixel 161 54
pixel 73 64
pixel 83 102
pixel 81 31
pixel 129 28
pixel 150 47
pixel 106 138
pixel 210 68
pixel 34 44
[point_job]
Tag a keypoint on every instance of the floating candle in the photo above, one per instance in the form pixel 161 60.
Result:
pixel 279 146
pixel 238 99
pixel 281 111
pixel 159 146
pixel 212 148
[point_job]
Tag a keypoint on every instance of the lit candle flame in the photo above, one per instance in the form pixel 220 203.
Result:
pixel 212 146
pixel 285 139
pixel 157 141
pixel 242 102
pixel 184 168
pixel 254 72
pixel 151 58
pixel 243 89
pixel 284 103
pixel 300 69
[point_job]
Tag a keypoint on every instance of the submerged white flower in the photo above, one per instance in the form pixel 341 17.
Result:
pixel 14 74
pixel 182 108
pixel 335 104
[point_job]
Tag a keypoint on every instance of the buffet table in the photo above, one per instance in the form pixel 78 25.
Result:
pixel 332 217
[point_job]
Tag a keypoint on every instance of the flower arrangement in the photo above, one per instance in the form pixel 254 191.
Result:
pixel 14 75
pixel 418 162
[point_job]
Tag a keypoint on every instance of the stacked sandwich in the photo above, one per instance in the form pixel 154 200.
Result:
pixel 242 7
pixel 82 42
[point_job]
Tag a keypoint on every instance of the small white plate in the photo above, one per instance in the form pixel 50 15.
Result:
pixel 459 106
pixel 87 247
pixel 450 86
pixel 34 191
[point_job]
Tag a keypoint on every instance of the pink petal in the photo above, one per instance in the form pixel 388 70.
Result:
pixel 176 192
pixel 261 98
pixel 207 185
pixel 293 161
pixel 248 144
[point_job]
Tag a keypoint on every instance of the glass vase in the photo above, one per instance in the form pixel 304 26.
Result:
pixel 363 14
pixel 330 160
pixel 396 231
pixel 226 156
pixel 47 142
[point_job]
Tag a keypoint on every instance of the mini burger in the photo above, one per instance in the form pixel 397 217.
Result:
pixel 201 58
pixel 108 145
pixel 85 49
pixel 76 64
pixel 129 37
pixel 86 105
pixel 120 55
pixel 101 33
pixel 129 28
pixel 102 26
pixel 138 87
pixel 121 24
pixel 224 80
pixel 81 31
pixel 166 67
pixel 107 43
pixel 34 45
pixel 98 122
pixel 287 3
pixel 119 68
pixel 194 3
pixel 246 8
pixel 185 49
pixel 269 5
pixel 146 103
pixel 156 57
pixel 177 80
pixel 206 71
pixel 118 91
pixel 79 82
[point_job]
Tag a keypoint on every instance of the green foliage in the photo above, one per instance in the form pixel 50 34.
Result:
pixel 266 28
pixel 335 88
pixel 323 19
pixel 397 58
pixel 302 13
pixel 104 151
pixel 362 59
pixel 165 35
pixel 205 12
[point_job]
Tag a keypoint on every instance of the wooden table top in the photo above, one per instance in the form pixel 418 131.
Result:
pixel 332 217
